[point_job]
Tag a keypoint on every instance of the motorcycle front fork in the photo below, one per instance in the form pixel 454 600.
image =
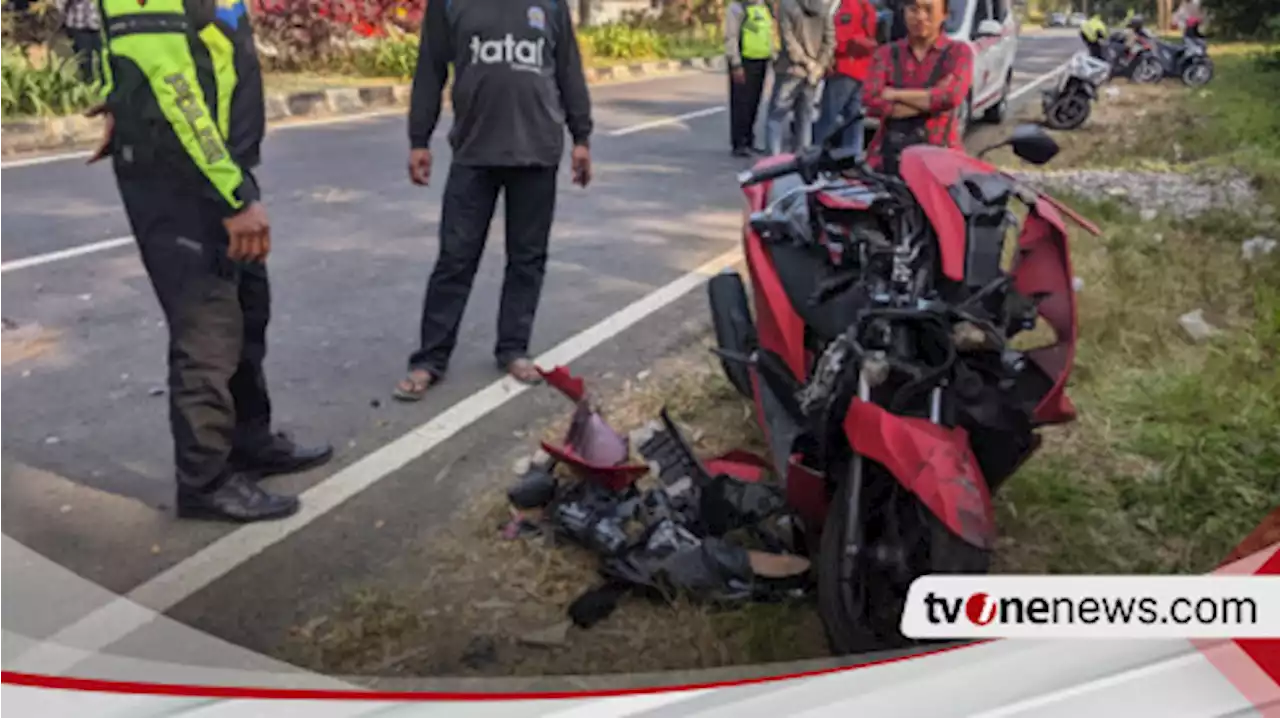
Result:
pixel 853 525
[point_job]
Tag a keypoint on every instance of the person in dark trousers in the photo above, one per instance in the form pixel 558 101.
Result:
pixel 748 47
pixel 916 85
pixel 183 153
pixel 83 26
pixel 517 83
pixel 855 22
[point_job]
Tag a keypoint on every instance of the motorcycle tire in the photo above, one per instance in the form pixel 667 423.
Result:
pixel 1068 112
pixel 874 622
pixel 735 332
pixel 1147 71
pixel 1197 74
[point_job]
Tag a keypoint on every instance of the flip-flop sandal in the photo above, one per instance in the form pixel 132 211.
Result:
pixel 418 386
pixel 524 371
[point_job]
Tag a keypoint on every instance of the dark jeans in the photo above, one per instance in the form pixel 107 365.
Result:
pixel 470 195
pixel 217 311
pixel 87 45
pixel 744 103
pixel 841 99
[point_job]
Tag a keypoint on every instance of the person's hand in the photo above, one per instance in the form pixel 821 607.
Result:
pixel 581 160
pixel 108 128
pixel 739 75
pixel 420 166
pixel 249 234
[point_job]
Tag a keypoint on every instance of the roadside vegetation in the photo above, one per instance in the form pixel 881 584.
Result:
pixel 1174 459
pixel 313 44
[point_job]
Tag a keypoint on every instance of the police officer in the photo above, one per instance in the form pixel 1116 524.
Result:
pixel 748 47
pixel 184 121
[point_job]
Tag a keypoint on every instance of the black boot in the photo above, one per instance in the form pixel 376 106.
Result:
pixel 238 498
pixel 281 456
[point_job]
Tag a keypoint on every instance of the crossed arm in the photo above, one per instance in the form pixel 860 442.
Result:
pixel 884 101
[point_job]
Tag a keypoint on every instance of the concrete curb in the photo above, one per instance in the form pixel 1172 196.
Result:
pixel 37 135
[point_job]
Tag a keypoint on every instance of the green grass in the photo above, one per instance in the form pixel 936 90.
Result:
pixel 1176 453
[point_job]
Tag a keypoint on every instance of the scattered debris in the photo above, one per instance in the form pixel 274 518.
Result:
pixel 644 374
pixel 157 391
pixel 155 549
pixel 375 403
pixel 712 530
pixel 1077 283
pixel 85 297
pixel 1112 92
pixel 1256 248
pixel 1197 327
pixel 51 440
pixel 549 637
pixel 65 509
pixel 1148 214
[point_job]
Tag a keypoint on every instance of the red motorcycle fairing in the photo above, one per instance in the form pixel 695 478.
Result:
pixel 931 461
pixel 1042 269
pixel 778 327
pixel 929 172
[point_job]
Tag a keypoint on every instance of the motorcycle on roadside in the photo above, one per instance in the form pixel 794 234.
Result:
pixel 880 364
pixel 1153 59
pixel 1068 104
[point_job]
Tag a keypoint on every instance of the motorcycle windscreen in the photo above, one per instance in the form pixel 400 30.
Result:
pixel 931 461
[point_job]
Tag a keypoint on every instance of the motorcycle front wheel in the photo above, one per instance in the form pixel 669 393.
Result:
pixel 902 540
pixel 1068 112
pixel 1147 70
pixel 1197 74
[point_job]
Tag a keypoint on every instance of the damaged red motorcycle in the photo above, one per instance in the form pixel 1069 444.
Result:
pixel 881 358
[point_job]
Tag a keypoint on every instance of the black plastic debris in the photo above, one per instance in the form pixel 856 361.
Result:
pixel 693 532
pixel 534 489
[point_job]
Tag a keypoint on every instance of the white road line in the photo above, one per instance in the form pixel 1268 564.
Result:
pixel 123 616
pixel 666 121
pixel 83 249
pixel 44 159
pixel 65 254
pixel 81 154
pixel 1033 84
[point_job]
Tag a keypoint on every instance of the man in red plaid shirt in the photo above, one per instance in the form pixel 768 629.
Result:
pixel 917 85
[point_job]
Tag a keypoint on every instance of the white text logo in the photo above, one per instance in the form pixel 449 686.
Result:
pixel 520 54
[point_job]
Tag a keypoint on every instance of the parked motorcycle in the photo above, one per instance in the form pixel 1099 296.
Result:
pixel 1155 59
pixel 879 359
pixel 1070 102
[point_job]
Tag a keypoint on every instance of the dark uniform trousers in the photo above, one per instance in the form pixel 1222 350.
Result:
pixel 217 312
pixel 744 103
pixel 470 197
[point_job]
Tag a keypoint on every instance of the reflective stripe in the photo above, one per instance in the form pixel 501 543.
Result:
pixel 165 60
pixel 157 22
pixel 222 53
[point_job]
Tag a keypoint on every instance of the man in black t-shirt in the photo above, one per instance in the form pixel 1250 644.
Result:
pixel 518 84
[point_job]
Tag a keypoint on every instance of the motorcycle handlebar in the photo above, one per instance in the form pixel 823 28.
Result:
pixel 808 163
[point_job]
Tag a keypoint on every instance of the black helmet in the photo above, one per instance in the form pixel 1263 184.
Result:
pixel 1136 22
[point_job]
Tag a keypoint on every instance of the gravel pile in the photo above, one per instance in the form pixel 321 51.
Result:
pixel 1182 195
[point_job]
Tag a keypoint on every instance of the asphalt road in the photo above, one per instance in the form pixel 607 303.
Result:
pixel 86 455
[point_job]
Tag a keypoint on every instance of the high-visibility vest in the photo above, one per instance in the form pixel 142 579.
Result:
pixel 757 33
pixel 1094 29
